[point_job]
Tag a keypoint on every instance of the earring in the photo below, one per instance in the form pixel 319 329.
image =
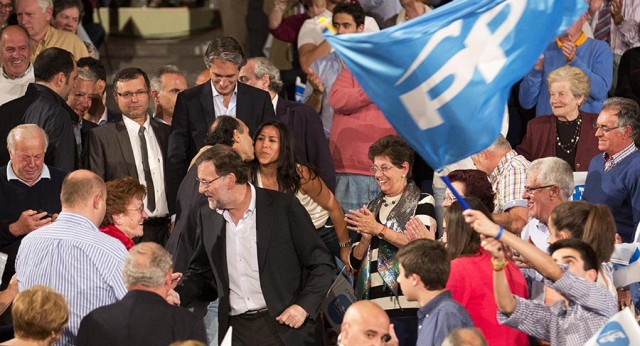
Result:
pixel 404 176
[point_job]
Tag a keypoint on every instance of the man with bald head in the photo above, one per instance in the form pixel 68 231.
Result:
pixel 72 256
pixel 17 71
pixel 366 323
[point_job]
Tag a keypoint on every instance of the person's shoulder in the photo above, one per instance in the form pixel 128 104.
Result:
pixel 597 45
pixel 543 120
pixel 56 174
pixel 250 91
pixel 195 91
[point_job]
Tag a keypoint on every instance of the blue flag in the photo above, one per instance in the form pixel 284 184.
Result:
pixel 443 79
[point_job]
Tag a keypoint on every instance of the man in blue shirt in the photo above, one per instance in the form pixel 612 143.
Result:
pixel 424 271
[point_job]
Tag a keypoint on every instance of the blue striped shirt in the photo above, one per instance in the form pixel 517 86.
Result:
pixel 77 260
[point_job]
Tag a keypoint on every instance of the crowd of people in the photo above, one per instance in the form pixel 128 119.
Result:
pixel 226 204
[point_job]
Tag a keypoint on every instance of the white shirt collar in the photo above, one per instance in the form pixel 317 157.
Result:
pixel 132 125
pixel 11 175
pixel 274 101
pixel 216 93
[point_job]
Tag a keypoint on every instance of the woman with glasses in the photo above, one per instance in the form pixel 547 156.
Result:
pixel 125 210
pixel 568 133
pixel 275 167
pixel 381 225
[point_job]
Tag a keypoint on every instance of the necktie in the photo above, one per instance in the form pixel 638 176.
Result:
pixel 602 30
pixel 151 196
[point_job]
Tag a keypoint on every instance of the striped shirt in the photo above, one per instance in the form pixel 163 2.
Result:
pixel 77 260
pixel 611 161
pixel 508 180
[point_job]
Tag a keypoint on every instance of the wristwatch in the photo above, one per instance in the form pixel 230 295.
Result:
pixel 381 234
pixel 345 244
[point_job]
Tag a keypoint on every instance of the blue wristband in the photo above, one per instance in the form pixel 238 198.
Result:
pixel 499 235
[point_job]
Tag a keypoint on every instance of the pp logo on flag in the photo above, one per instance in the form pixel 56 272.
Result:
pixel 613 335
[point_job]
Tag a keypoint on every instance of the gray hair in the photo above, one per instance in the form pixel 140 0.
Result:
pixel 146 265
pixel 225 49
pixel 500 144
pixel 553 171
pixel 42 4
pixel 156 79
pixel 628 113
pixel 85 73
pixel 455 338
pixel 264 67
pixel 25 131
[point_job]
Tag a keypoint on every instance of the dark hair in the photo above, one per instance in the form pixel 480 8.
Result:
pixel 287 173
pixel 428 259
pixel 120 193
pixel 462 240
pixel 587 253
pixel 61 5
pixel 52 61
pixel 95 66
pixel 395 149
pixel 593 224
pixel 221 130
pixel 225 49
pixel 352 9
pixel 127 74
pixel 226 161
pixel 476 184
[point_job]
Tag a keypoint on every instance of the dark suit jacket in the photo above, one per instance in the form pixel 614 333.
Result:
pixel 192 117
pixel 294 265
pixel 182 240
pixel 312 147
pixel 43 107
pixel 109 152
pixel 140 318
pixel 87 126
pixel 540 140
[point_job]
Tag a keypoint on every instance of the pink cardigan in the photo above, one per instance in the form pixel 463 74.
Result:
pixel 357 123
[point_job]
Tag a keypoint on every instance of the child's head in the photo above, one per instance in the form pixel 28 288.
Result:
pixel 579 257
pixel 424 265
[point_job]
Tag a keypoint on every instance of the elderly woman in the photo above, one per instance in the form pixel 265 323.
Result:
pixel 125 210
pixel 39 315
pixel 381 226
pixel 568 133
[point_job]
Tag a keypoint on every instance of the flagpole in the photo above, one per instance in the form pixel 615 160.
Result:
pixel 459 197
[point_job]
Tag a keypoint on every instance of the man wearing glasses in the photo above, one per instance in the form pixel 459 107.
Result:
pixel 258 252
pixel 614 176
pixel 134 146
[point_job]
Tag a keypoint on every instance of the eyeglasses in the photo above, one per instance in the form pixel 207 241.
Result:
pixel 206 183
pixel 129 95
pixel 382 169
pixel 604 128
pixel 7 7
pixel 139 209
pixel 530 189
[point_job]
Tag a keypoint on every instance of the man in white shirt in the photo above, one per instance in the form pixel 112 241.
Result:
pixel 134 146
pixel 17 71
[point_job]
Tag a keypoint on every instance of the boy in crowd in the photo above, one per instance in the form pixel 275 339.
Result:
pixel 424 271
